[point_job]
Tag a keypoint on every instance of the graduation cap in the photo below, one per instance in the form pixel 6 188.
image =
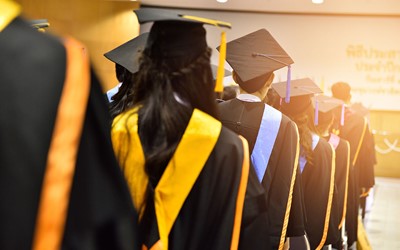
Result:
pixel 324 106
pixel 127 55
pixel 254 57
pixel 301 91
pixel 180 35
pixel 39 24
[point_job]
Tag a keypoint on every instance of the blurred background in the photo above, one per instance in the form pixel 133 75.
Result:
pixel 354 41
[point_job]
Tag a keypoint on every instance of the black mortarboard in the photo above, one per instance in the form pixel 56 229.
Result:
pixel 323 106
pixel 127 55
pixel 39 24
pixel 254 57
pixel 301 91
pixel 180 35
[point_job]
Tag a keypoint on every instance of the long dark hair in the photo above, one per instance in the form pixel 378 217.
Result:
pixel 122 100
pixel 167 91
pixel 305 124
pixel 325 123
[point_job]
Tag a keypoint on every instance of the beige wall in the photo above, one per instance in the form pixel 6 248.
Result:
pixel 100 25
pixel 387 126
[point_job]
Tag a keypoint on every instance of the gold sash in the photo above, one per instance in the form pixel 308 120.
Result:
pixel 61 159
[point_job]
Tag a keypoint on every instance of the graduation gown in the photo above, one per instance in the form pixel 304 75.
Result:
pixel 198 201
pixel 99 212
pixel 283 191
pixel 366 161
pixel 318 187
pixel 342 166
pixel 355 131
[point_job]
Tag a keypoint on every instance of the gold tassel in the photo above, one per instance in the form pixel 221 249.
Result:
pixel 219 87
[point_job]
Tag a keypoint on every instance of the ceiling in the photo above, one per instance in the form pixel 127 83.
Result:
pixel 341 7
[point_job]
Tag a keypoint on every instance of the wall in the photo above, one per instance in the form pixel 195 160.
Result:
pixel 100 25
pixel 386 126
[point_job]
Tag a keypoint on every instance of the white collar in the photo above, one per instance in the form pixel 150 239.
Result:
pixel 248 98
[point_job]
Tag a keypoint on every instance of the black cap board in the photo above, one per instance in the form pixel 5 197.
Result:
pixel 254 57
pixel 127 55
pixel 301 92
pixel 180 35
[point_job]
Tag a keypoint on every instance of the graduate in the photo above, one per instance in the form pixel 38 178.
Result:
pixel 317 159
pixel 189 177
pixel 61 186
pixel 126 59
pixel 361 176
pixel 325 106
pixel 273 138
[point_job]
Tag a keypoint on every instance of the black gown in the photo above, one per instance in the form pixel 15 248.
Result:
pixel 342 166
pixel 356 132
pixel 207 214
pixel 318 186
pixel 279 180
pixel 100 213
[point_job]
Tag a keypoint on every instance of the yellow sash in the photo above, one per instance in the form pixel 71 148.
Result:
pixel 61 159
pixel 178 179
pixel 290 196
pixel 330 198
pixel 360 141
pixel 346 186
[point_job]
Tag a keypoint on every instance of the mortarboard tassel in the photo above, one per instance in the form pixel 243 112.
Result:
pixel 221 69
pixel 342 116
pixel 316 113
pixel 219 87
pixel 289 76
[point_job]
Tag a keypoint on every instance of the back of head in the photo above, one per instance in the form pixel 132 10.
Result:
pixel 120 72
pixel 341 90
pixel 327 108
pixel 300 109
pixel 325 121
pixel 272 98
pixel 175 68
pixel 255 84
pixel 174 77
pixel 230 92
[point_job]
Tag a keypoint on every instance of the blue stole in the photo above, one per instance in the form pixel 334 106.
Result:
pixel 269 128
pixel 302 159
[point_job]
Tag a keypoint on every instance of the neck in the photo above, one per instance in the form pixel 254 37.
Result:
pixel 260 93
